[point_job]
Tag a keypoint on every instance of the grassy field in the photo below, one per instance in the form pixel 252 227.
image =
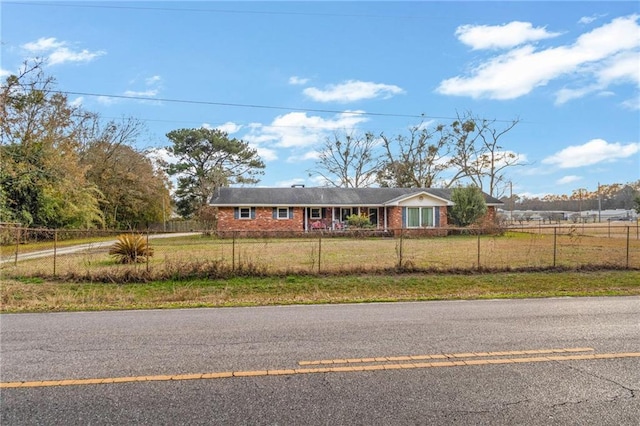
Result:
pixel 200 271
pixel 37 295
pixel 190 257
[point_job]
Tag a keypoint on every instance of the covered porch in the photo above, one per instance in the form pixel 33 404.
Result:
pixel 335 218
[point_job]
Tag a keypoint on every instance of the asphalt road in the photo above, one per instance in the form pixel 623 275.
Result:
pixel 548 361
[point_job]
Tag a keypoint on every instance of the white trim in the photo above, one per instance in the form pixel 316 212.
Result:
pixel 397 201
pixel 278 213
pixel 420 209
pixel 311 216
pixel 240 213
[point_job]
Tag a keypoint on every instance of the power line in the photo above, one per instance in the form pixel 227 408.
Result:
pixel 228 11
pixel 271 107
pixel 238 105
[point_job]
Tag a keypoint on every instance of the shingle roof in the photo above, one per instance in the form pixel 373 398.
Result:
pixel 321 196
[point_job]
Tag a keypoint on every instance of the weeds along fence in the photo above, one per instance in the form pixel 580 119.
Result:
pixel 84 255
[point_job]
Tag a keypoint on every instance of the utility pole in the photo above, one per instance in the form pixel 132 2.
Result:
pixel 599 205
pixel 511 199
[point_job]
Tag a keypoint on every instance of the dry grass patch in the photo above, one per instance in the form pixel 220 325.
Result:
pixel 208 257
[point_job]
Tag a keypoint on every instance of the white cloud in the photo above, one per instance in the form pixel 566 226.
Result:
pixel 229 127
pixel 5 73
pixel 518 71
pixel 266 154
pixel 77 102
pixel 593 152
pixel 141 94
pixel 43 44
pixel 633 104
pixel 565 95
pixel 586 20
pixel 309 155
pixel 294 80
pixel 296 129
pixel 621 68
pixel 58 52
pixel 106 100
pixel 351 91
pixel 157 155
pixel 153 80
pixel 568 179
pixel 501 36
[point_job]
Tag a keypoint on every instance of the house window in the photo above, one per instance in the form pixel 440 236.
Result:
pixel 427 216
pixel 245 213
pixel 316 213
pixel 419 217
pixel 283 212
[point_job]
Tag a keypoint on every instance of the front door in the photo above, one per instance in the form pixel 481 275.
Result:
pixel 373 216
pixel 344 213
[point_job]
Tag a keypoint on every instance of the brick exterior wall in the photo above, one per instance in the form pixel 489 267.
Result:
pixel 265 222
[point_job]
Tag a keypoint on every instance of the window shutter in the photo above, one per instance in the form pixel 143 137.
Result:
pixel 290 212
pixel 253 212
pixel 404 217
pixel 236 213
pixel 274 213
pixel 436 219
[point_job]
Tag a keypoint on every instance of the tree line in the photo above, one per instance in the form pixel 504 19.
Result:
pixel 66 167
pixel 605 197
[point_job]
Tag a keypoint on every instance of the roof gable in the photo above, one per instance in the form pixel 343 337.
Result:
pixel 420 195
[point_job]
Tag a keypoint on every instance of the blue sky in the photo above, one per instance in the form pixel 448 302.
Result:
pixel 283 76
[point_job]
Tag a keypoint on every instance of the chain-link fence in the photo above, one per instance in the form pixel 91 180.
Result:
pixel 84 255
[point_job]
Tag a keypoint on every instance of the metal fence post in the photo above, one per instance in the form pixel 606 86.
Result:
pixel 55 249
pixel 148 250
pixel 15 262
pixel 628 234
pixel 478 249
pixel 555 244
pixel 233 251
pixel 319 249
pixel 400 248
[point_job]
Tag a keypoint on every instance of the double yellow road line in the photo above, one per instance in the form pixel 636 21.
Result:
pixel 348 365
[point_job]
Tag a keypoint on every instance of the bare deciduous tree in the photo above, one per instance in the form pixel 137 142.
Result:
pixel 416 160
pixel 348 160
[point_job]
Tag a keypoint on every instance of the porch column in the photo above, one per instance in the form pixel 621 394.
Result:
pixel 385 217
pixel 333 218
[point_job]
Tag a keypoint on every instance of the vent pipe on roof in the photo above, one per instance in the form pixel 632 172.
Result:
pixel 298 186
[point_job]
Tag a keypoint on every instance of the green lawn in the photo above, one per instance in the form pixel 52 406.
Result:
pixel 38 295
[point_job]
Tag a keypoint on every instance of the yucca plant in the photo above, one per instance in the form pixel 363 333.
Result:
pixel 131 248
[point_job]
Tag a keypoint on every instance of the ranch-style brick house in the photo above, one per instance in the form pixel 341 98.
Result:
pixel 301 209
